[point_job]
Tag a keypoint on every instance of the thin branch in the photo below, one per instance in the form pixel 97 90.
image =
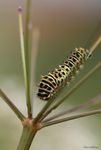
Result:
pixel 85 105
pixel 34 51
pixel 96 43
pixel 27 48
pixel 44 109
pixel 75 87
pixel 27 26
pixel 98 111
pixel 12 106
pixel 24 62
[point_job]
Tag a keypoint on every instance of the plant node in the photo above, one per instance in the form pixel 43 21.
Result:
pixel 31 124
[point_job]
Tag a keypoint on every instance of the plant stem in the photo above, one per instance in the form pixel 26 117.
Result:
pixel 34 52
pixel 96 43
pixel 75 87
pixel 27 46
pixel 11 105
pixel 26 138
pixel 44 109
pixel 27 27
pixel 72 117
pixel 25 63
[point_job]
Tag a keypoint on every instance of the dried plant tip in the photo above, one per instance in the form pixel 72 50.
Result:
pixel 20 9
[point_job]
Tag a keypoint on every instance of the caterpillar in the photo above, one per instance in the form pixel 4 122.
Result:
pixel 62 75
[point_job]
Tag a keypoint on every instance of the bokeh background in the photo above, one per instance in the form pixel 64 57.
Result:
pixel 63 25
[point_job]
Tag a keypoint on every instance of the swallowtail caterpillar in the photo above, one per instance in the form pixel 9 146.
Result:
pixel 62 75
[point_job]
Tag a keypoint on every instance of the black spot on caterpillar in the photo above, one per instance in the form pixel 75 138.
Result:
pixel 53 81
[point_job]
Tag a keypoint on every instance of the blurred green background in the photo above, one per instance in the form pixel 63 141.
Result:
pixel 63 25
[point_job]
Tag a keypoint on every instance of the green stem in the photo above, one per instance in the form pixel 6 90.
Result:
pixel 27 40
pixel 26 138
pixel 25 62
pixel 34 52
pixel 11 105
pixel 96 43
pixel 44 109
pixel 27 27
pixel 46 124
